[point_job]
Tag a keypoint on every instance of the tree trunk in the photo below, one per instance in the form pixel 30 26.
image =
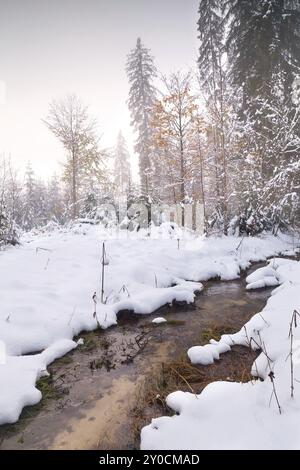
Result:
pixel 74 187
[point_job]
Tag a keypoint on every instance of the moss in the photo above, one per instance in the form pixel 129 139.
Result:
pixel 175 323
pixel 49 389
pixel 65 360
pixel 94 340
pixel 90 342
pixel 97 364
pixel 214 332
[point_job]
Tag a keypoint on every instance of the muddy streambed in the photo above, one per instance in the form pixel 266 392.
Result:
pixel 99 395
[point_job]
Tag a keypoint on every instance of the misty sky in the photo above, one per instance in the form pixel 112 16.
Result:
pixel 52 47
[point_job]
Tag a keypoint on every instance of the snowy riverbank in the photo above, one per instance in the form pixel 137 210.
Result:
pixel 47 285
pixel 256 415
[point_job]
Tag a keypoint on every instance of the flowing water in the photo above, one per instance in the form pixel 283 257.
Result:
pixel 93 391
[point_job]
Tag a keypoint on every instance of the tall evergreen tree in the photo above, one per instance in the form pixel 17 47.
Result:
pixel 7 203
pixel 211 36
pixel 29 199
pixel 213 79
pixel 34 200
pixel 55 206
pixel 263 40
pixel 122 171
pixel 141 72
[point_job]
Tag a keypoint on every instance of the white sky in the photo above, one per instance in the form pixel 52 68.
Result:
pixel 52 47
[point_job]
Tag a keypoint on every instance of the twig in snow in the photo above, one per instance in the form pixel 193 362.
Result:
pixel 108 296
pixel 104 262
pixel 268 324
pixel 247 337
pixel 124 289
pixel 263 348
pixel 94 298
pixel 250 346
pixel 271 374
pixel 293 325
pixel 42 249
pixel 272 378
pixel 72 315
pixel 46 267
pixel 240 245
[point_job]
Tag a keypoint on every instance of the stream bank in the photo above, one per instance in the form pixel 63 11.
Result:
pixel 102 393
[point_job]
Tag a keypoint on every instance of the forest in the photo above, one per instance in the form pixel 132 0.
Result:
pixel 225 133
pixel 150 288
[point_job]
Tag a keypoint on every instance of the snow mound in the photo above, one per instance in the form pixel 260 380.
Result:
pixel 159 321
pixel 263 277
pixel 208 354
pixel 18 377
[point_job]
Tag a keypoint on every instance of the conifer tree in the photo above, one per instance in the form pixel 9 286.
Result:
pixel 213 78
pixel 141 73
pixel 122 171
pixel 263 40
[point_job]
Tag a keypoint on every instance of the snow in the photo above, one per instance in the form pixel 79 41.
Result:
pixel 207 354
pixel 236 416
pixel 19 375
pixel 48 284
pixel 263 277
pixel 159 321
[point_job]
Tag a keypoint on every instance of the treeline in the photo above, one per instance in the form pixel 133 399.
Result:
pixel 233 140
pixel 226 135
pixel 92 177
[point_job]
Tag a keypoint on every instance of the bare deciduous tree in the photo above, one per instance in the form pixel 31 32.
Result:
pixel 69 121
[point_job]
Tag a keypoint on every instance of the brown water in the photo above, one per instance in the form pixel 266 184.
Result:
pixel 96 386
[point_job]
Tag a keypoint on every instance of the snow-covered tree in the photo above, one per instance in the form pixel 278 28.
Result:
pixel 34 201
pixel 211 36
pixel 8 203
pixel 69 121
pixel 55 203
pixel 141 73
pixel 263 40
pixel 177 153
pixel 213 81
pixel 29 199
pixel 122 169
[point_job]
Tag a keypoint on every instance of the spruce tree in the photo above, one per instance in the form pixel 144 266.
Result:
pixel 141 73
pixel 55 207
pixel 29 199
pixel 122 172
pixel 211 36
pixel 263 40
pixel 213 79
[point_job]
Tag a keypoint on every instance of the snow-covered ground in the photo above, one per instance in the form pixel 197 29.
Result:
pixel 259 414
pixel 48 283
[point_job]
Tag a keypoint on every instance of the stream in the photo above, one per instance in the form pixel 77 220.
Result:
pixel 96 396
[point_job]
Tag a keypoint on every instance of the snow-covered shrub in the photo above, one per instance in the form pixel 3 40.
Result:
pixel 8 231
